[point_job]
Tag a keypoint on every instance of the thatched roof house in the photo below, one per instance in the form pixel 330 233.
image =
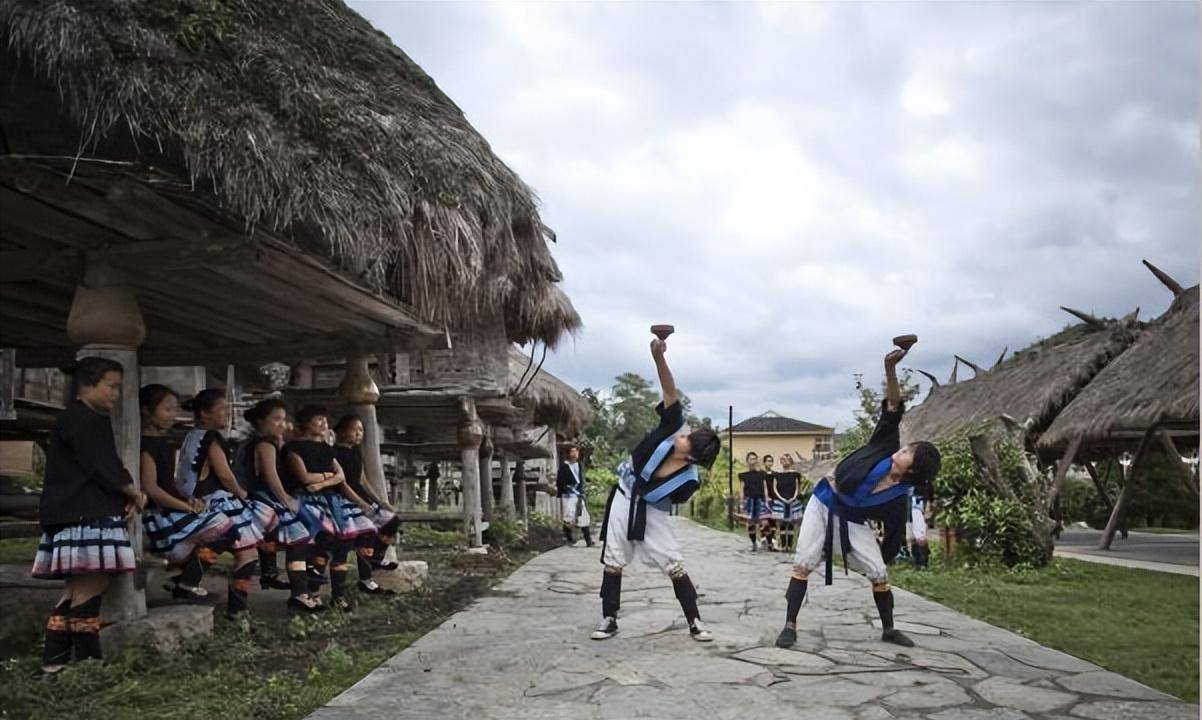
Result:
pixel 1152 384
pixel 1030 387
pixel 291 122
pixel 553 402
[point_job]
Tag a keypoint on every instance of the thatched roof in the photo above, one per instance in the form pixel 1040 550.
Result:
pixel 1155 382
pixel 1031 387
pixel 554 402
pixel 300 117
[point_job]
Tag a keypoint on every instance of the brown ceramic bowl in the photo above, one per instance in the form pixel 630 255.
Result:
pixel 905 341
pixel 662 331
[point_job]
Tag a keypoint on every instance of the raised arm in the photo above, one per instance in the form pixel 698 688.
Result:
pixel 667 383
pixel 893 396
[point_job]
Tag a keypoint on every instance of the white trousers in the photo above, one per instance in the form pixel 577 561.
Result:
pixel 657 549
pixel 567 508
pixel 918 524
pixel 864 555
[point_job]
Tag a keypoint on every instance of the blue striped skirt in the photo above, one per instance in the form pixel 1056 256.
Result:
pixel 176 535
pixel 298 528
pixel 753 509
pixel 252 519
pixel 380 516
pixel 788 511
pixel 92 546
pixel 347 517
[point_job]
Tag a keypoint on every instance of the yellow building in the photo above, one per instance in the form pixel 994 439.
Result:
pixel 774 434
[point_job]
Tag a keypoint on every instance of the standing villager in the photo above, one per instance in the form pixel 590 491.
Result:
pixel 768 462
pixel 204 472
pixel 660 471
pixel 786 507
pixel 569 485
pixel 753 503
pixel 312 465
pixel 177 526
pixel 872 483
pixel 921 552
pixel 87 497
pixel 370 548
pixel 299 524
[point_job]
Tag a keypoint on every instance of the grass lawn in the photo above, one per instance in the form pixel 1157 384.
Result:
pixel 1137 623
pixel 1165 531
pixel 271 667
pixel 15 551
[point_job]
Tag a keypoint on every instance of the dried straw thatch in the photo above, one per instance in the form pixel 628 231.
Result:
pixel 301 117
pixel 553 401
pixel 1154 383
pixel 1030 388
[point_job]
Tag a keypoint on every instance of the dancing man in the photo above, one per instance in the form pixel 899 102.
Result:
pixel 873 483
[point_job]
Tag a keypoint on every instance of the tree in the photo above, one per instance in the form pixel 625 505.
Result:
pixel 866 416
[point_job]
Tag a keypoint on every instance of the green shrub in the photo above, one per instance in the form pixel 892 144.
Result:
pixel 504 532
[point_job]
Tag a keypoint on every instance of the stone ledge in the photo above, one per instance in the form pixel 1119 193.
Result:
pixel 163 628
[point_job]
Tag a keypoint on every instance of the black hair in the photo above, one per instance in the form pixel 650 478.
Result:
pixel 925 467
pixel 307 413
pixel 344 423
pixel 88 371
pixel 204 401
pixel 256 413
pixel 704 444
pixel 150 396
pixel 767 457
pixel 753 452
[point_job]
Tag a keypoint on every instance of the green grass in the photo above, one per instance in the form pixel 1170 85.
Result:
pixel 1165 531
pixel 1136 623
pixel 18 551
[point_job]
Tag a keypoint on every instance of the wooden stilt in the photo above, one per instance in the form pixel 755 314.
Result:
pixel 506 504
pixel 1183 470
pixel 522 501
pixel 487 499
pixel 1097 483
pixel 1120 506
pixel 471 432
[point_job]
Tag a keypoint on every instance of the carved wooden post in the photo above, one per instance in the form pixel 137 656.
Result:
pixel 106 321
pixel 522 502
pixel 360 393
pixel 486 491
pixel 506 504
pixel 1120 505
pixel 471 432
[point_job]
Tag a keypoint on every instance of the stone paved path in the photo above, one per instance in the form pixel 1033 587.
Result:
pixel 524 652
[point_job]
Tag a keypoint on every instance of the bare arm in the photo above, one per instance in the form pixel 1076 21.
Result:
pixel 311 480
pixel 666 382
pixel 893 396
pixel 150 486
pixel 265 463
pixel 220 464
pixel 349 493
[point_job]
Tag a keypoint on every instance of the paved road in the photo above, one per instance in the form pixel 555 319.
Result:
pixel 1148 547
pixel 524 652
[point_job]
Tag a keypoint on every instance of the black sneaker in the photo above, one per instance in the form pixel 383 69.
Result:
pixel 371 587
pixel 897 637
pixel 607 628
pixel 273 582
pixel 305 605
pixel 787 638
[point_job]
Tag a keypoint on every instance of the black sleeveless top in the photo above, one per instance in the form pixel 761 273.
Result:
pixel 162 452
pixel 318 457
pixel 351 461
pixel 210 484
pixel 255 482
pixel 786 483
pixel 753 484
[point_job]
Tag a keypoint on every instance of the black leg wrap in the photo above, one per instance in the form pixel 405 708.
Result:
pixel 192 572
pixel 364 566
pixel 884 605
pixel 239 587
pixel 267 562
pixel 588 535
pixel 611 594
pixel 567 534
pixel 687 595
pixel 794 597
pixel 85 629
pixel 57 650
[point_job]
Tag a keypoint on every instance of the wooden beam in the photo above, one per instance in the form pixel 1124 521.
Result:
pixel 1180 466
pixel 1066 461
pixel 928 376
pixel 29 213
pixel 155 256
pixel 1084 317
pixel 1165 278
pixel 1001 358
pixel 300 348
pixel 1120 506
pixel 976 369
pixel 1097 483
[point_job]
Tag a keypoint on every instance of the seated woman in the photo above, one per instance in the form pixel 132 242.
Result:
pixel 371 547
pixel 204 472
pixel 311 464
pixel 300 522
pixel 177 527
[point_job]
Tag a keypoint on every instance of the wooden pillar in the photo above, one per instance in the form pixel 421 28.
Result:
pixel 471 432
pixel 431 487
pixel 523 508
pixel 1180 466
pixel 506 504
pixel 360 393
pixel 1097 484
pixel 1120 506
pixel 106 321
pixel 487 499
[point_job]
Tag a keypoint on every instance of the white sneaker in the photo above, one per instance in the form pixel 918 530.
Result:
pixel 607 628
pixel 699 632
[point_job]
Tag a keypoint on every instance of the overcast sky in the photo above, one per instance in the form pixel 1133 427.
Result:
pixel 793 184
